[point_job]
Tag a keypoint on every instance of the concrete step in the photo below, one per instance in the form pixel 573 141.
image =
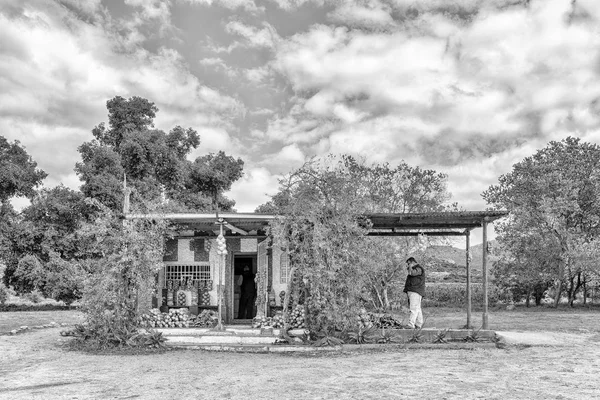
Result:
pixel 229 331
pixel 180 340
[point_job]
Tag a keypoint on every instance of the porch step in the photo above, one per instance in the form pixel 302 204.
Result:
pixel 219 340
pixel 229 331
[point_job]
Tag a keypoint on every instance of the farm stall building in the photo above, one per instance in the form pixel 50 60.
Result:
pixel 194 268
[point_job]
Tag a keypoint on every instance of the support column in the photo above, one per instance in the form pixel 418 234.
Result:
pixel 485 275
pixel 468 263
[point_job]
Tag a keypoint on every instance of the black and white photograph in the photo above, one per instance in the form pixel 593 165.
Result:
pixel 299 199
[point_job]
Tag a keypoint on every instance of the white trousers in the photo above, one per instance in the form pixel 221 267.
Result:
pixel 415 318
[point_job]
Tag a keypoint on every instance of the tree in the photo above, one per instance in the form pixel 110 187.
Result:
pixel 154 163
pixel 118 288
pixel 47 231
pixel 554 194
pixel 324 230
pixel 19 175
pixel 212 174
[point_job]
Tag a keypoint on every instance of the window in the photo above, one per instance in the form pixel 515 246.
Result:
pixel 284 268
pixel 198 273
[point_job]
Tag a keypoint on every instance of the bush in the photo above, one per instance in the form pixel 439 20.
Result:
pixel 455 295
pixel 35 297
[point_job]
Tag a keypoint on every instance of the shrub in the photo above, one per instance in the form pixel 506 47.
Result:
pixel 35 297
pixel 455 295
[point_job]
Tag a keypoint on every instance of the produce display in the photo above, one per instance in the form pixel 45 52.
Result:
pixel 204 298
pixel 296 318
pixel 206 319
pixel 175 318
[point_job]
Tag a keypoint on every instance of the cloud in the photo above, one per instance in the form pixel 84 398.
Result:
pixel 497 79
pixel 254 188
pixel 59 70
pixel 266 37
pixel 373 15
pixel 248 5
pixel 285 160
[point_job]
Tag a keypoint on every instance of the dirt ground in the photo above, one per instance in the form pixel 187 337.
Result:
pixel 565 365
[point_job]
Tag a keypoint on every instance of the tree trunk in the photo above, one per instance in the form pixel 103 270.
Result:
pixel 559 284
pixel 286 305
pixel 386 299
pixel 527 297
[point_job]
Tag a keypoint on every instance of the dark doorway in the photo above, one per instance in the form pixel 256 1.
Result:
pixel 244 287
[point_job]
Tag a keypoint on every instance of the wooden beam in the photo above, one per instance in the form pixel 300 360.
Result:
pixel 235 229
pixel 468 237
pixel 404 233
pixel 485 275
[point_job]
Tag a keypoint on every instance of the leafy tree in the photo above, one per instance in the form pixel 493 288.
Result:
pixel 47 231
pixel 324 231
pixel 554 195
pixel 154 163
pixel 117 291
pixel 19 175
pixel 212 174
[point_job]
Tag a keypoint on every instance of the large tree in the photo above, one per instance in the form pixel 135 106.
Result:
pixel 19 175
pixel 154 163
pixel 324 231
pixel 44 239
pixel 555 195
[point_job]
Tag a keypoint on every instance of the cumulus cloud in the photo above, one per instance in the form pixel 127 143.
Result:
pixel 265 37
pixel 254 188
pixel 248 5
pixel 59 70
pixel 372 15
pixel 500 77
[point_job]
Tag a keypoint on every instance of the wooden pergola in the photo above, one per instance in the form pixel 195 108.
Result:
pixel 456 223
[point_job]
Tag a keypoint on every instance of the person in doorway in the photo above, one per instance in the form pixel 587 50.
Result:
pixel 415 291
pixel 247 294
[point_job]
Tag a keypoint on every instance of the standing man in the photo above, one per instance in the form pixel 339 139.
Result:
pixel 247 294
pixel 415 290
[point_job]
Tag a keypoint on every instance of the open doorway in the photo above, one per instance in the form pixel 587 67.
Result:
pixel 244 287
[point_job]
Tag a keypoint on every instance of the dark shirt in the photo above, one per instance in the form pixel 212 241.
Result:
pixel 416 283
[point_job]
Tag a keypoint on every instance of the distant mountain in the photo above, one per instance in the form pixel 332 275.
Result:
pixel 448 263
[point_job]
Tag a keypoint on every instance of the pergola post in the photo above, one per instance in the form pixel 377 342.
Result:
pixel 468 263
pixel 485 275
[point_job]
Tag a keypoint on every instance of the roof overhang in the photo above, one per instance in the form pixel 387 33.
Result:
pixel 452 223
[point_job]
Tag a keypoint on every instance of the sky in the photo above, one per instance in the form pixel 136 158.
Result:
pixel 464 87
